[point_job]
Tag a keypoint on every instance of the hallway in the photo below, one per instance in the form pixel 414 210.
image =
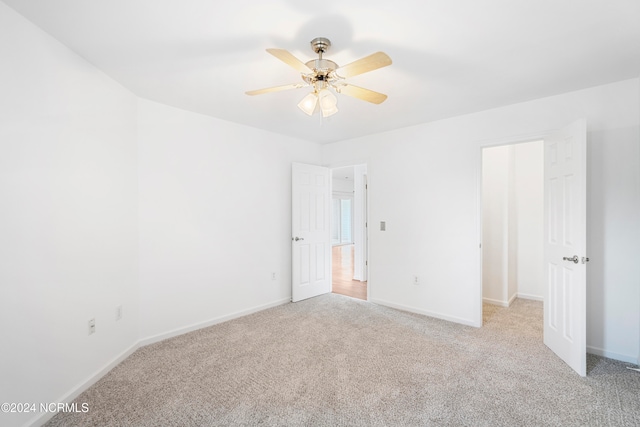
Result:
pixel 342 274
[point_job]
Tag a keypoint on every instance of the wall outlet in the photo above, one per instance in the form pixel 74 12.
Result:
pixel 92 326
pixel 118 312
pixel 273 276
pixel 416 280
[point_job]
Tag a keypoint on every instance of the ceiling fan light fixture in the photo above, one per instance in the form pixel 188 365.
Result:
pixel 309 103
pixel 322 74
pixel 328 103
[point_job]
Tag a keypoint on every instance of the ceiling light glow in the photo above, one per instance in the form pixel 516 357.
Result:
pixel 309 103
pixel 328 103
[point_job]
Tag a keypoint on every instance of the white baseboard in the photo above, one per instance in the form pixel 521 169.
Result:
pixel 194 327
pixel 415 310
pixel 531 297
pixel 80 388
pixel 611 355
pixel 511 300
pixel 92 379
pixel 496 302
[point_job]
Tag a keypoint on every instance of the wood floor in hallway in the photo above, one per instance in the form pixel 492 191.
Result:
pixel 342 274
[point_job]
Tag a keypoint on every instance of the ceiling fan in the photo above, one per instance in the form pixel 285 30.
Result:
pixel 322 75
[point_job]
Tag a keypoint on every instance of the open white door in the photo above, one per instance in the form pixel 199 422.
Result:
pixel 310 231
pixel 565 169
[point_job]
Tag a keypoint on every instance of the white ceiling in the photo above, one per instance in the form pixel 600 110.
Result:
pixel 450 57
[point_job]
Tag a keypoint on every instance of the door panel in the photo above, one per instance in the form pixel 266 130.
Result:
pixel 311 232
pixel 565 238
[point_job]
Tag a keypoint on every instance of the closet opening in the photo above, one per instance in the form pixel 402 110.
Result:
pixel 512 223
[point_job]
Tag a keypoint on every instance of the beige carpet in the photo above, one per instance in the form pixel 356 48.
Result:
pixel 337 361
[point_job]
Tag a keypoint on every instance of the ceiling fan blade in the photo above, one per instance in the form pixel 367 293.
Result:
pixel 276 89
pixel 363 65
pixel 286 57
pixel 361 93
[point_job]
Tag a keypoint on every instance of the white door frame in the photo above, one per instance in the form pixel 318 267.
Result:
pixel 365 231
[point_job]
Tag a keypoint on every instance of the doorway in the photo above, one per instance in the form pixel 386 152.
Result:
pixel 512 223
pixel 509 244
pixel 348 231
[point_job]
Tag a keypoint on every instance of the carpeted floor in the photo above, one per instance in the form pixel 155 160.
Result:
pixel 337 361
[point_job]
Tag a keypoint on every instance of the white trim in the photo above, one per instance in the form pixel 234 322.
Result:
pixel 454 319
pixel 496 302
pixel 531 297
pixel 479 210
pixel 84 385
pixel 611 355
pixel 511 300
pixel 499 302
pixel 194 327
pixel 512 140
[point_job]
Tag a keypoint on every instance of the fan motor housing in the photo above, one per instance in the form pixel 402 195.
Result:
pixel 323 66
pixel 320 44
pixel 322 69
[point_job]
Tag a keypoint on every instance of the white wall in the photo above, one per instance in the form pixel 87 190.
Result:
pixel 433 224
pixel 529 191
pixel 215 218
pixel 495 224
pixel 341 185
pixel 68 218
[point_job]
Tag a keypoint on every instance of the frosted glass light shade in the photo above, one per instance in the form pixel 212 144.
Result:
pixel 308 103
pixel 328 103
